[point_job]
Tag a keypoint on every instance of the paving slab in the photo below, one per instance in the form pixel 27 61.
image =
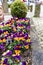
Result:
pixel 37 50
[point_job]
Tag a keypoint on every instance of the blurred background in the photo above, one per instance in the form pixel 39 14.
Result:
pixel 35 7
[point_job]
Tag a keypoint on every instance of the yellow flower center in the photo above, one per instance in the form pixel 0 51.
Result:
pixel 17 52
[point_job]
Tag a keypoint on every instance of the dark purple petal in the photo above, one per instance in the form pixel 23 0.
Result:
pixel 11 36
pixel 7 23
pixel 17 57
pixel 17 48
pixel 5 61
pixel 19 44
pixel 23 62
pixel 6 37
pixel 2 48
pixel 1 31
pixel 26 43
pixel 2 24
pixel 15 34
pixel 20 24
pixel 7 64
pixel 30 42
pixel 26 35
pixel 22 35
pixel 28 27
pixel 4 30
pixel 9 53
pixel 20 32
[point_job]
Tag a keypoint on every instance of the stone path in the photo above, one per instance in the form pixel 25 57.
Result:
pixel 36 34
pixel 38 22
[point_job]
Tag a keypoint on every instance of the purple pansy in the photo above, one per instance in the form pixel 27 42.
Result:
pixel 6 36
pixel 2 48
pixel 26 35
pixel 17 47
pixel 3 24
pixel 17 57
pixel 15 35
pixel 7 22
pixel 23 62
pixel 4 30
pixel 9 53
pixel 11 36
pixel 25 43
pixel 5 61
pixel 19 24
pixel 1 31
pixel 28 28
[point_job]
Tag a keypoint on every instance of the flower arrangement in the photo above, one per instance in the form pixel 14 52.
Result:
pixel 14 40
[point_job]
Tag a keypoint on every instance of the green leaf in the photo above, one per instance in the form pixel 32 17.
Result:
pixel 10 47
pixel 20 63
pixel 10 61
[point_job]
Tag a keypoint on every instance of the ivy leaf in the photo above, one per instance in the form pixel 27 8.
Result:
pixel 7 28
pixel 20 63
pixel 10 61
pixel 10 47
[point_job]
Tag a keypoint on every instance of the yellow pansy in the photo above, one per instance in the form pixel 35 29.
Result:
pixel 16 38
pixel 26 21
pixel 8 25
pixel 17 52
pixel 4 40
pixel 18 46
pixel 14 55
pixel 20 27
pixel 5 25
pixel 0 40
pixel 8 36
pixel 1 26
pixel 14 29
pixel 17 60
pixel 26 46
pixel 21 38
pixel 6 32
pixel 12 20
pixel 28 40
pixel 2 61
